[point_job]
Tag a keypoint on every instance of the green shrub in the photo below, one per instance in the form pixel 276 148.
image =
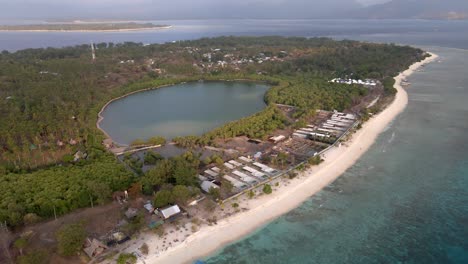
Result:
pixel 267 189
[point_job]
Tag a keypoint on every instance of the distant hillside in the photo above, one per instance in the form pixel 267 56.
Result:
pixel 420 9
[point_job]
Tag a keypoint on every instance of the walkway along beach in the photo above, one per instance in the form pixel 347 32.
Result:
pixel 265 208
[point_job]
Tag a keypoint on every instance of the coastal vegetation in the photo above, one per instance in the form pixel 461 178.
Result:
pixel 125 258
pixel 70 239
pixel 51 156
pixel 267 189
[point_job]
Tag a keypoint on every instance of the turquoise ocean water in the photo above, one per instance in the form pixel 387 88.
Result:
pixel 404 201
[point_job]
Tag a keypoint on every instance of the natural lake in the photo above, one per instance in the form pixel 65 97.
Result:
pixel 181 110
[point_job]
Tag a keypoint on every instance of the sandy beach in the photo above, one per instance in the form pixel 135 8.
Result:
pixel 103 30
pixel 187 246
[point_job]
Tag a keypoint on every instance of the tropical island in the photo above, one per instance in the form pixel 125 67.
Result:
pixel 327 102
pixel 85 26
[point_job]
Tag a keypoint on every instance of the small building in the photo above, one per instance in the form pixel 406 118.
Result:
pixel 229 165
pixel 244 159
pixel 254 141
pixel 94 247
pixel 149 207
pixel 235 163
pixel 277 139
pixel 207 185
pixel 170 211
pixel 118 238
pixel 131 212
pixel 257 155
pixel 236 183
pixel 202 178
pixel 211 173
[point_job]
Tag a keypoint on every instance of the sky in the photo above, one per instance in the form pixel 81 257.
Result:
pixel 174 9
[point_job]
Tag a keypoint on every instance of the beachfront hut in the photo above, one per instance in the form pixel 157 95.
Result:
pixel 207 185
pixel 211 173
pixel 94 247
pixel 170 211
pixel 255 172
pixel 202 178
pixel 149 207
pixel 244 177
pixel 235 163
pixel 297 135
pixel 244 159
pixel 229 165
pixel 319 135
pixel 277 139
pixel 264 168
pixel 236 183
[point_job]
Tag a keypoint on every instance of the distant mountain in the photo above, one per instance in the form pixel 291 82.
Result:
pixel 419 9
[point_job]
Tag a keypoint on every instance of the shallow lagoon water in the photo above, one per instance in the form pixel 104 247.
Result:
pixel 181 110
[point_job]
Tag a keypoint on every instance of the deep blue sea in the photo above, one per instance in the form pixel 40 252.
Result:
pixel 406 199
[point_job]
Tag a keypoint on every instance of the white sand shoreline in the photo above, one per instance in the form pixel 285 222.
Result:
pixel 265 208
pixel 88 30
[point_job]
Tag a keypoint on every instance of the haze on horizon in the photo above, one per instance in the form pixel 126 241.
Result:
pixel 176 9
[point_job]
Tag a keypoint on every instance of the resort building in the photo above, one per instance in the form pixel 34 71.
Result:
pixel 207 185
pixel 170 212
pixel 277 139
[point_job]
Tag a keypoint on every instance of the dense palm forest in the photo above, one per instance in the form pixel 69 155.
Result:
pixel 50 98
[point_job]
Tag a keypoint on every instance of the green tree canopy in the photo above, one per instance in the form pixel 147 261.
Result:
pixel 70 239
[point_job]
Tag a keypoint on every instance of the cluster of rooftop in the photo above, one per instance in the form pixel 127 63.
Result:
pixel 368 82
pixel 334 127
pixel 242 173
pixel 219 58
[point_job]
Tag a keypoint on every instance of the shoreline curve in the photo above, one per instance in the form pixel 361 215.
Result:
pixel 265 208
pixel 101 118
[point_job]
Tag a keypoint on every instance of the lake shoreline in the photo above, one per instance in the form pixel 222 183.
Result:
pixel 101 118
pixel 103 108
pixel 291 193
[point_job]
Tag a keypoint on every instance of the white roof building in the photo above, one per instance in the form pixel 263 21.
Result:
pixel 229 165
pixel 236 183
pixel 245 159
pixel 264 168
pixel 207 185
pixel 254 172
pixel 244 177
pixel 211 173
pixel 235 163
pixel 277 138
pixel 170 211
